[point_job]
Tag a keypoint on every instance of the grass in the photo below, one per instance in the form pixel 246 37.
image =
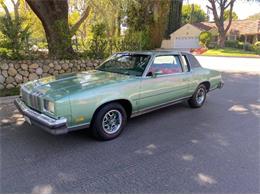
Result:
pixel 230 52
pixel 9 92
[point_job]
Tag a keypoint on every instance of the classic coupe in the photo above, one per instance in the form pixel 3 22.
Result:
pixel 127 84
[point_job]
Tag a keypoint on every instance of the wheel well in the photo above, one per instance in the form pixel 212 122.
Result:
pixel 123 102
pixel 207 84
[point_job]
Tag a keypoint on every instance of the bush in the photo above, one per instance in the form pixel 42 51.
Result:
pixel 240 45
pixel 98 43
pixel 205 38
pixel 256 47
pixel 231 43
pixel 257 44
pixel 14 35
pixel 248 47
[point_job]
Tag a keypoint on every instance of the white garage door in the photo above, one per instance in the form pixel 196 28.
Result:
pixel 186 42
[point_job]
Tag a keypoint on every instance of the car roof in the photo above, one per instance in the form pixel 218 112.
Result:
pixel 154 52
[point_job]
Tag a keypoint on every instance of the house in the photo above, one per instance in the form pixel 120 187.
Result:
pixel 187 36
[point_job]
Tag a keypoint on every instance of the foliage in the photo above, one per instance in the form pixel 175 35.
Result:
pixel 257 44
pixel 9 92
pixel 98 43
pixel 231 43
pixel 15 37
pixel 205 38
pixel 226 15
pixel 193 14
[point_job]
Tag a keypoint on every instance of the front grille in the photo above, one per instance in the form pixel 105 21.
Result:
pixel 32 100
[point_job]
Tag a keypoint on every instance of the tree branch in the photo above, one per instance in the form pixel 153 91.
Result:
pixel 84 16
pixel 6 10
pixel 230 15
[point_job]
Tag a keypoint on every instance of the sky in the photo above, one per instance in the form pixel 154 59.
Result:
pixel 243 8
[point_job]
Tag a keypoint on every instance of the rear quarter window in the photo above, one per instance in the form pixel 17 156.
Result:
pixel 194 63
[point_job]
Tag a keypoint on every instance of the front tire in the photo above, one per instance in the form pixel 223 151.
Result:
pixel 109 121
pixel 199 97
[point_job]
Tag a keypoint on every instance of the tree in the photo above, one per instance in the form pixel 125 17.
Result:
pixel 226 15
pixel 11 26
pixel 174 17
pixel 193 14
pixel 218 8
pixel 54 18
pixel 205 38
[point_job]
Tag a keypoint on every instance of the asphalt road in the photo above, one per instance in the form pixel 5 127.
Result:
pixel 214 149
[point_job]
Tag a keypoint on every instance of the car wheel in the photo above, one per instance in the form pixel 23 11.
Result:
pixel 109 121
pixel 199 97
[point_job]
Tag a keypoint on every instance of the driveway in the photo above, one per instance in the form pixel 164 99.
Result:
pixel 214 149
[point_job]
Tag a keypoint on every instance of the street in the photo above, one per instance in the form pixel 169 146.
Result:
pixel 214 149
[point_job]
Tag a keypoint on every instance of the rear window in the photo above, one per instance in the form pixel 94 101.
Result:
pixel 194 63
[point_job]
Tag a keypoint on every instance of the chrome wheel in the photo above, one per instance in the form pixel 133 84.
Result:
pixel 112 121
pixel 200 96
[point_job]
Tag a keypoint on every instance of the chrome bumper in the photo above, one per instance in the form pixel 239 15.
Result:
pixel 221 84
pixel 53 126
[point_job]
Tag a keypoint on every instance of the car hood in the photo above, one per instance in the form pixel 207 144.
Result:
pixel 59 86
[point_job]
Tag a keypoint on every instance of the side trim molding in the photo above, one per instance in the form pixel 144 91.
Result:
pixel 153 108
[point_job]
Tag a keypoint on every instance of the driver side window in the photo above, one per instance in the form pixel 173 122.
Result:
pixel 168 64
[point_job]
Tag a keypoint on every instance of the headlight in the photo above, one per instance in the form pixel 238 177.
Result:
pixel 49 106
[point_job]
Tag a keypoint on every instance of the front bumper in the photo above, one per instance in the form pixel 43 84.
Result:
pixel 221 84
pixel 53 126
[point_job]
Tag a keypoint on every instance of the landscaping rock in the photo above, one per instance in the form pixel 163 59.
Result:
pixel 39 71
pixel 24 66
pixel 2 79
pixel 4 73
pixel 19 78
pixel 9 86
pixel 12 71
pixel 4 66
pixel 33 76
pixel 9 80
pixel 34 66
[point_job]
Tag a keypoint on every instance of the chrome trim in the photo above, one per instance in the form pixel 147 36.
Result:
pixel 159 106
pixel 38 117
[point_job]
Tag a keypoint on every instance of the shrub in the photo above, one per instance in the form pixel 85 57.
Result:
pixel 98 42
pixel 248 47
pixel 257 44
pixel 205 38
pixel 240 45
pixel 256 47
pixel 14 36
pixel 231 43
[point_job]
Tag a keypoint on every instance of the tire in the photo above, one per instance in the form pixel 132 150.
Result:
pixel 199 97
pixel 109 121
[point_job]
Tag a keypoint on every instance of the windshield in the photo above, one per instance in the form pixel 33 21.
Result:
pixel 129 64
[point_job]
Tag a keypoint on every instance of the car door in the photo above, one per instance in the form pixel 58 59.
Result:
pixel 166 81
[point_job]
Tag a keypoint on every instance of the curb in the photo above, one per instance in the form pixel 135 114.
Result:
pixel 8 99
pixel 253 57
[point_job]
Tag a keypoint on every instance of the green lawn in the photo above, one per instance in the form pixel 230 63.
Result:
pixel 230 52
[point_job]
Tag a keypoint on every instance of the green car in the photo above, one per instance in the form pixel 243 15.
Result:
pixel 127 84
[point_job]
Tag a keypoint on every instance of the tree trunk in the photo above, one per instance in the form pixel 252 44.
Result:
pixel 174 20
pixel 54 17
pixel 221 41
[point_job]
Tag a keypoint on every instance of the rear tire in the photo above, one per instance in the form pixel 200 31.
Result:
pixel 199 97
pixel 109 121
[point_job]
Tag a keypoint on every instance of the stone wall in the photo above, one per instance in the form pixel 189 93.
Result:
pixel 13 73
